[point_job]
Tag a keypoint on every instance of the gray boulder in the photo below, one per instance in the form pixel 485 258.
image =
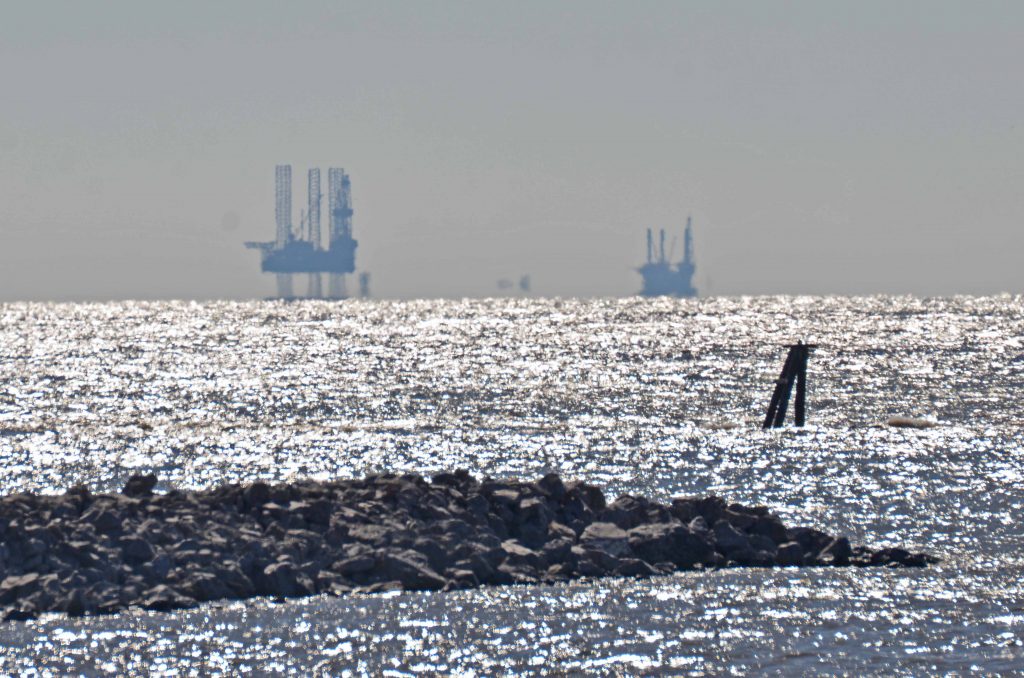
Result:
pixel 140 485
pixel 14 587
pixel 104 521
pixel 790 554
pixel 669 542
pixel 594 563
pixel 551 486
pixel 634 567
pixel 732 543
pixel 355 564
pixel 281 579
pixel 627 512
pixel 163 597
pixel 837 552
pixel 606 537
pixel 136 550
pixel 411 570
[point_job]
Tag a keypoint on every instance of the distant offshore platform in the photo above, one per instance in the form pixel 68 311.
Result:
pixel 662 278
pixel 301 250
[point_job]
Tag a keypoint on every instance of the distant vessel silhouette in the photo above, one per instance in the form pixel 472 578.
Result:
pixel 662 278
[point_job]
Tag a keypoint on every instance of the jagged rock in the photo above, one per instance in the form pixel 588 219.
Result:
pixel 627 512
pixel 505 497
pixel 837 552
pixel 551 486
pixel 684 509
pixel 463 579
pixel 256 495
pixel 11 588
pixel 606 537
pixel 634 567
pixel 812 541
pixel 897 557
pixel 73 603
pixel 739 519
pixel 531 521
pixel 731 542
pixel 104 521
pixel 375 535
pixel 140 485
pixel 163 597
pixel 518 555
pixel 136 550
pixel 594 562
pixel 710 508
pixel 94 554
pixel 413 573
pixel 437 556
pixel 699 526
pixel 771 527
pixel 762 544
pixel 355 564
pixel 669 542
pixel 207 586
pixel 591 496
pixel 281 579
pixel 557 549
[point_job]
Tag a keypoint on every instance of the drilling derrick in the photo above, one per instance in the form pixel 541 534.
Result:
pixel 313 214
pixel 687 267
pixel 303 252
pixel 339 202
pixel 313 219
pixel 283 204
pixel 283 217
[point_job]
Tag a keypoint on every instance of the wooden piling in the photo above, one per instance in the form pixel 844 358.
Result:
pixel 794 370
pixel 801 386
pixel 777 395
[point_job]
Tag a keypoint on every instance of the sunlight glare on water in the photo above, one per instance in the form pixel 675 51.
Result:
pixel 655 397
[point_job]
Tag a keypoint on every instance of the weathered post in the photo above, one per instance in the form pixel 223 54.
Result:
pixel 780 386
pixel 794 370
pixel 801 385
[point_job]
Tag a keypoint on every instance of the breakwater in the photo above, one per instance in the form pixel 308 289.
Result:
pixel 84 553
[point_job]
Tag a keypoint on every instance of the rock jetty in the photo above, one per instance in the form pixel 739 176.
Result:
pixel 84 553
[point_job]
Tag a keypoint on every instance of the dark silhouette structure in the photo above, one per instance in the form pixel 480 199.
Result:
pixel 301 250
pixel 793 371
pixel 662 278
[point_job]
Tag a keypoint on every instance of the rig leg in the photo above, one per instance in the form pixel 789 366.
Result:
pixel 315 291
pixel 284 286
pixel 336 286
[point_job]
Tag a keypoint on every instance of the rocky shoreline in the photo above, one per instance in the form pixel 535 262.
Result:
pixel 84 553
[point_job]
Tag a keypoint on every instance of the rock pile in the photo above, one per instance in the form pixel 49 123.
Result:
pixel 83 553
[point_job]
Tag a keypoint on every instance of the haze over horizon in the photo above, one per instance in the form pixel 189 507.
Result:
pixel 820 147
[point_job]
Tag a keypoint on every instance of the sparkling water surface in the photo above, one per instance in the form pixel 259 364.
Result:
pixel 654 397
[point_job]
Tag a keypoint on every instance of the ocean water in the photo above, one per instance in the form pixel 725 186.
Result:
pixel 655 397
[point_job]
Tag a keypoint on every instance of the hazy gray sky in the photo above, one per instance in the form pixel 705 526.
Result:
pixel 851 147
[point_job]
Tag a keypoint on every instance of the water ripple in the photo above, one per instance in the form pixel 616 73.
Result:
pixel 658 397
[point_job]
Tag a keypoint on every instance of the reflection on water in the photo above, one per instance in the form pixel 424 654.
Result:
pixel 658 397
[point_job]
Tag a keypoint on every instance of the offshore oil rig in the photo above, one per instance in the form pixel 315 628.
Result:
pixel 300 250
pixel 663 278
